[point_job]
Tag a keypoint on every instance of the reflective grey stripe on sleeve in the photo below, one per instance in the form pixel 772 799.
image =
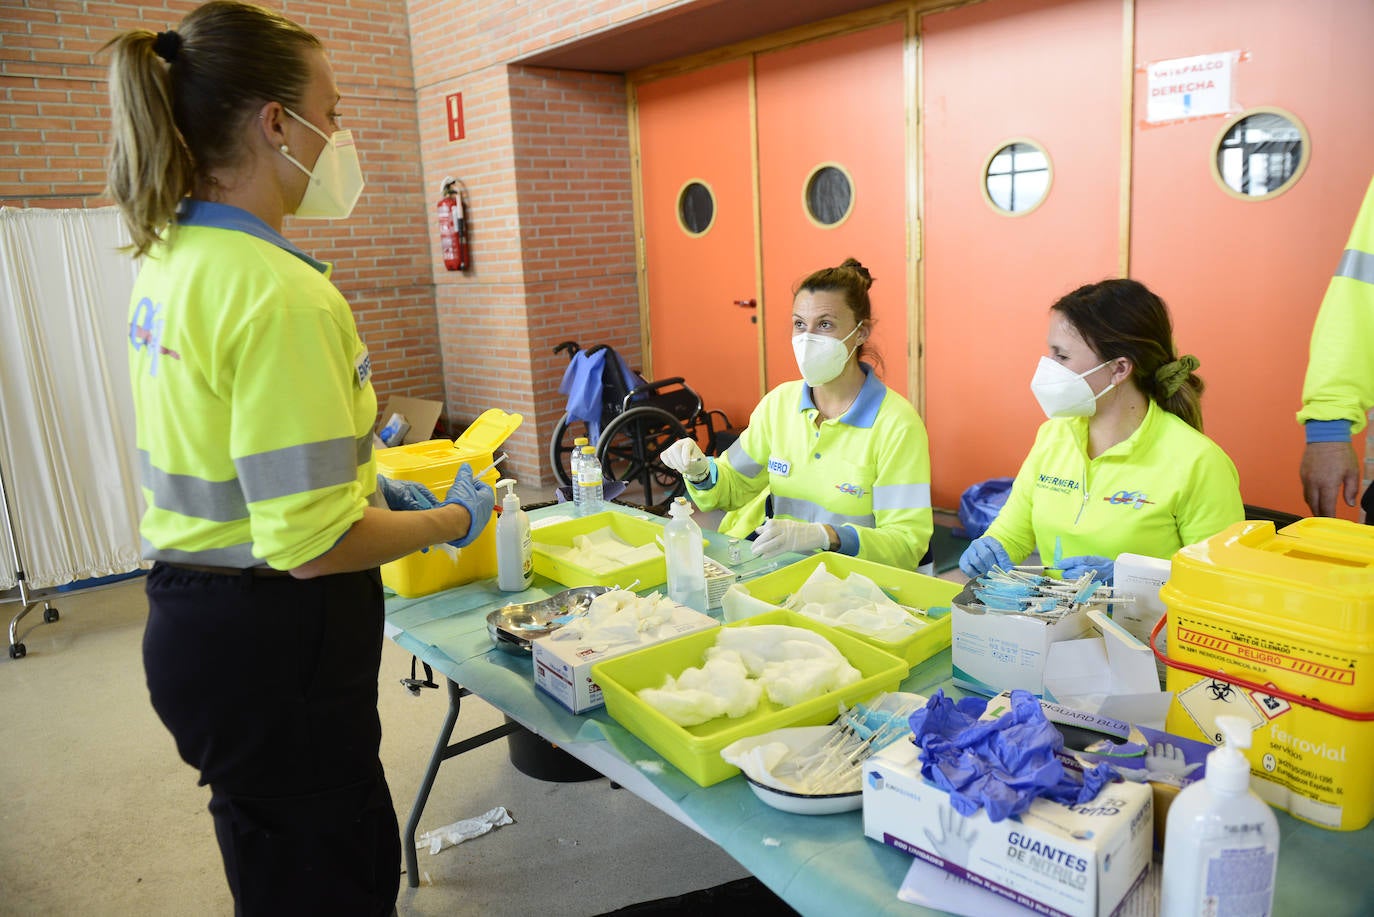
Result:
pixel 741 461
pixel 900 496
pixel 217 501
pixel 297 469
pixel 807 511
pixel 1356 265
pixel 239 555
pixel 364 449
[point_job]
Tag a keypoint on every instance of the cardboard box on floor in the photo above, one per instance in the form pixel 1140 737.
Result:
pixel 421 414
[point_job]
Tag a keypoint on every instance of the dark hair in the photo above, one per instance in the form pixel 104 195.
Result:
pixel 1122 318
pixel 179 100
pixel 851 280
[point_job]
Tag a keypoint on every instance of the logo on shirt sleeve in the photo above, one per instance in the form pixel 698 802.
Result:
pixel 145 332
pixel 363 367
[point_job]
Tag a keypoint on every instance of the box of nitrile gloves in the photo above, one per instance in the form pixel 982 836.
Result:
pixel 1080 860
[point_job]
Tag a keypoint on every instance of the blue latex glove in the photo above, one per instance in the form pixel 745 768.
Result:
pixel 405 495
pixel 1074 567
pixel 1001 765
pixel 981 556
pixel 476 497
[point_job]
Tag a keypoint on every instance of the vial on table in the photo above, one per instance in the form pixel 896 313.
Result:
pixel 736 551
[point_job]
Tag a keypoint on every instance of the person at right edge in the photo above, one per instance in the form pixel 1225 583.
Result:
pixel 1122 464
pixel 1339 389
pixel 254 410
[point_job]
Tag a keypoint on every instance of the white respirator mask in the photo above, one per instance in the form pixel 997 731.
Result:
pixel 337 179
pixel 821 358
pixel 1063 392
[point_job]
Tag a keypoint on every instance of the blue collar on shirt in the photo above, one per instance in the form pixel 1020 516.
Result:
pixel 864 411
pixel 226 216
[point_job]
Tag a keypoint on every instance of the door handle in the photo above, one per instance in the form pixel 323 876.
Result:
pixel 747 303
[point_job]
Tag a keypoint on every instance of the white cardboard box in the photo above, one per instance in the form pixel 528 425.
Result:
pixel 999 651
pixel 1109 672
pixel 563 667
pixel 1079 861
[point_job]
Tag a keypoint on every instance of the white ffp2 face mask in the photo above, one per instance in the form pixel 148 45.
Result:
pixel 337 179
pixel 1064 393
pixel 819 357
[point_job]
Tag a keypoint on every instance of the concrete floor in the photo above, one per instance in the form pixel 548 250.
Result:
pixel 98 815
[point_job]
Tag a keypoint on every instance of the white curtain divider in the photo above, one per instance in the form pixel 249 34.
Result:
pixel 66 412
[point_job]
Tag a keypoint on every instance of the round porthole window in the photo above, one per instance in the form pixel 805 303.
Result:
pixel 1260 154
pixel 829 195
pixel 696 208
pixel 1016 177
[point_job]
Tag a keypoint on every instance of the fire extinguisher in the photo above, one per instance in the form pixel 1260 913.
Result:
pixel 453 226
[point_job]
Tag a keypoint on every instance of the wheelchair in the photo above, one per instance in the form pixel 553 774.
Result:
pixel 638 420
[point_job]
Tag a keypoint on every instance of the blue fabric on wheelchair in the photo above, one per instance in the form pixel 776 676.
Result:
pixel 582 384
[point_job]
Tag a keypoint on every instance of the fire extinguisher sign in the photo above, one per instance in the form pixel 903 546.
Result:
pixel 454 106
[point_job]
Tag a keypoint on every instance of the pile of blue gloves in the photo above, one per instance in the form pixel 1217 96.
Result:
pixel 475 496
pixel 987 552
pixel 1000 765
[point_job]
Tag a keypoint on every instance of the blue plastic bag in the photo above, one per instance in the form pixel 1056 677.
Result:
pixel 980 504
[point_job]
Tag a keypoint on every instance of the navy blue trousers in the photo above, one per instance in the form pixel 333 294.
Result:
pixel 269 686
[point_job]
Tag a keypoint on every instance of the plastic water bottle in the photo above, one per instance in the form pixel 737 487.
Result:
pixel 686 562
pixel 575 464
pixel 589 484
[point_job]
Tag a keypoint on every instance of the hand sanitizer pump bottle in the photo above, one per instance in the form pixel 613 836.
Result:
pixel 686 563
pixel 1221 842
pixel 514 547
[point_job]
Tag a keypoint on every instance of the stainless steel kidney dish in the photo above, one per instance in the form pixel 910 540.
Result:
pixel 512 627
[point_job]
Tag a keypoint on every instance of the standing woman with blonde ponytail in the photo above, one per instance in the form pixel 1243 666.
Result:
pixel 255 411
pixel 1122 464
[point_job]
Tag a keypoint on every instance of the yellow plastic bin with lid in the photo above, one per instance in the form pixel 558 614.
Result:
pixel 1278 628
pixel 433 463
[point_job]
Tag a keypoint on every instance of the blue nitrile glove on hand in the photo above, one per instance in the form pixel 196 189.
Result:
pixel 981 556
pixel 405 495
pixel 474 496
pixel 777 536
pixel 1074 567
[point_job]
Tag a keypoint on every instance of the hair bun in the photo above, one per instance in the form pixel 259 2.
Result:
pixel 857 267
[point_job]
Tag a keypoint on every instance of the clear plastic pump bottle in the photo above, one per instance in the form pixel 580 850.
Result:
pixel 1221 842
pixel 514 546
pixel 575 466
pixel 589 483
pixel 686 562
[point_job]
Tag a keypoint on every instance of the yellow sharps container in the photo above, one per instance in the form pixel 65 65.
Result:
pixel 1278 628
pixel 434 463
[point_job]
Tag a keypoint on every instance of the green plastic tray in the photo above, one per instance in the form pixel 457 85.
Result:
pixel 630 529
pixel 904 587
pixel 695 750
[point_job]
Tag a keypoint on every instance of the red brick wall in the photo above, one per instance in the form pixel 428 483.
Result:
pixel 54 114
pixel 545 161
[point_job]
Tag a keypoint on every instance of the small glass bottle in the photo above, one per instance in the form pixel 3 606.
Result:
pixel 683 553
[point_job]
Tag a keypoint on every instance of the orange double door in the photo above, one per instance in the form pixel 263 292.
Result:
pixel 751 136
pixel 962 288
